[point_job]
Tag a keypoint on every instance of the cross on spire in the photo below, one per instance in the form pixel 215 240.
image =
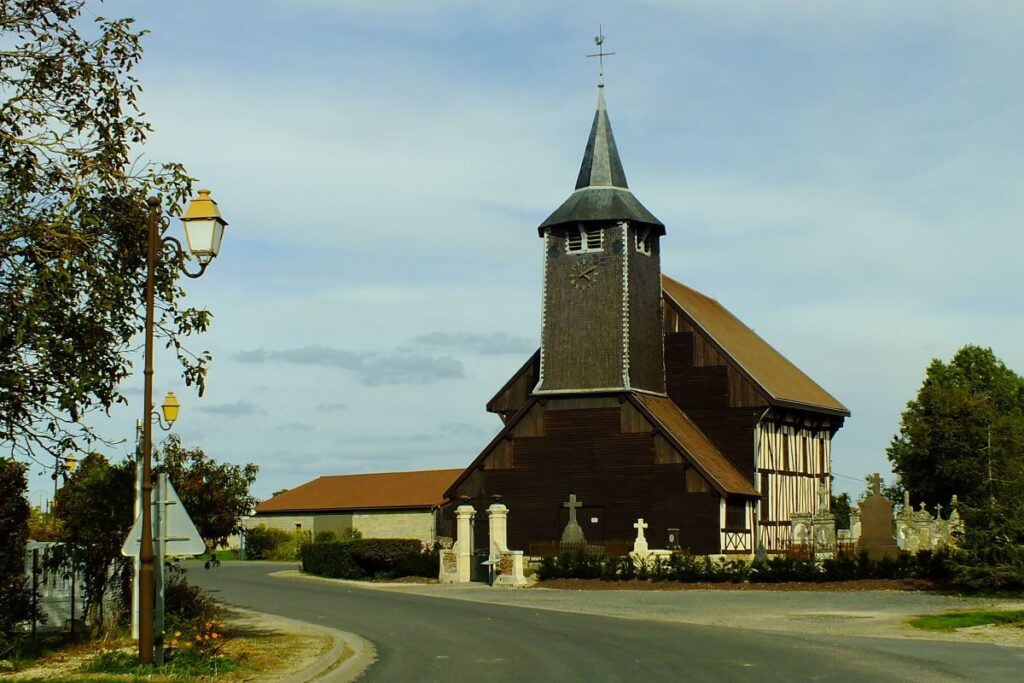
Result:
pixel 600 54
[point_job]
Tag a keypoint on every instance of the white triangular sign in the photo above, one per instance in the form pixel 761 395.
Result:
pixel 171 524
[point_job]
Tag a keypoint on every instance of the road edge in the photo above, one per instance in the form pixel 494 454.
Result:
pixel 348 658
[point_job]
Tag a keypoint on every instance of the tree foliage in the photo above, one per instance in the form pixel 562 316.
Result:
pixel 15 592
pixel 964 435
pixel 943 447
pixel 215 494
pixel 95 511
pixel 72 223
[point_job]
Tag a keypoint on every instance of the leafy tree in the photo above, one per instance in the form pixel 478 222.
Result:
pixel 72 223
pixel 964 435
pixel 42 526
pixel 95 512
pixel 15 593
pixel 961 434
pixel 216 495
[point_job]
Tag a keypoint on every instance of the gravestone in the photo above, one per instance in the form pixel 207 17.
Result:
pixel 640 544
pixel 823 525
pixel 572 536
pixel 876 524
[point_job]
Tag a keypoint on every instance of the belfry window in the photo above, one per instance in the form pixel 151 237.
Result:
pixel 644 241
pixel 580 239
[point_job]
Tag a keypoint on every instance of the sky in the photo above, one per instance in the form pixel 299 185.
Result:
pixel 844 177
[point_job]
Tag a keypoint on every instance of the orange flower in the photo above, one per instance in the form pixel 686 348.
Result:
pixel 199 638
pixel 177 634
pixel 215 636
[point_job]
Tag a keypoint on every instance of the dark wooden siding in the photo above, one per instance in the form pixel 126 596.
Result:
pixel 646 356
pixel 581 335
pixel 703 392
pixel 517 390
pixel 583 451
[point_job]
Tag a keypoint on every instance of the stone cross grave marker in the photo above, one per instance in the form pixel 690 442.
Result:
pixel 640 544
pixel 573 504
pixel 572 535
pixel 876 483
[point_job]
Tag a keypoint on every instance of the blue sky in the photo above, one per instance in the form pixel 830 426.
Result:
pixel 844 177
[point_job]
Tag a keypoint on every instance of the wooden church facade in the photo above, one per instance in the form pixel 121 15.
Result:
pixel 646 399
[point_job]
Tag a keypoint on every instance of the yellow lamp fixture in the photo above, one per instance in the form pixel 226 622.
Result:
pixel 170 408
pixel 204 227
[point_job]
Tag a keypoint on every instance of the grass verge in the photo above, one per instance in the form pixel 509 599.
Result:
pixel 950 621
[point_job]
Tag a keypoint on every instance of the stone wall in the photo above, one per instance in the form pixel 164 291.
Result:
pixel 396 524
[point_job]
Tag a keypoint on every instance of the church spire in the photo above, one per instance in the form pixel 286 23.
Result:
pixel 601 165
pixel 601 191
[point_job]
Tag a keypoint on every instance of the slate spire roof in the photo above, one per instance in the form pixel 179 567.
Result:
pixel 601 190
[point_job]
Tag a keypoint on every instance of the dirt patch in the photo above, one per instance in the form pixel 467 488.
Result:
pixel 834 586
pixel 266 649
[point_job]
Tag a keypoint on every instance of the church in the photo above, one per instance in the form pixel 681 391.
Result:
pixel 646 398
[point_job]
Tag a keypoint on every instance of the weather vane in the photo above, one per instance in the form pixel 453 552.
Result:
pixel 600 54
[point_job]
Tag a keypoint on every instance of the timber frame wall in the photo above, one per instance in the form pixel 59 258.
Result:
pixel 791 462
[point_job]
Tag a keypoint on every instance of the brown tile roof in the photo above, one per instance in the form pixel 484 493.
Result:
pixel 364 492
pixel 754 357
pixel 722 474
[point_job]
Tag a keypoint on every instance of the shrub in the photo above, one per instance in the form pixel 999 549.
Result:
pixel 379 558
pixel 261 541
pixel 326 536
pixel 289 549
pixel 333 560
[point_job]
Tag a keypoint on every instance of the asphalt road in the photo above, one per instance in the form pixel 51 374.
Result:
pixel 421 638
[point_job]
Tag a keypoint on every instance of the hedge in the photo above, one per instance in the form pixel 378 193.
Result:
pixel 375 558
pixel 694 569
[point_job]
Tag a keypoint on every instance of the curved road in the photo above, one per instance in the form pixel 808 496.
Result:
pixel 420 638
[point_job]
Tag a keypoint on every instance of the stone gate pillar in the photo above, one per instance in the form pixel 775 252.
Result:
pixel 497 518
pixel 464 542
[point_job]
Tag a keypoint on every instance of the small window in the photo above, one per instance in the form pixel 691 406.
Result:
pixel 581 240
pixel 643 242
pixel 735 513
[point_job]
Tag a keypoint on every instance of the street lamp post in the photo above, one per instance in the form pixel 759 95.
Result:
pixel 204 229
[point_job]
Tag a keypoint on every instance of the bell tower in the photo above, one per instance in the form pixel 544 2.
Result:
pixel 601 316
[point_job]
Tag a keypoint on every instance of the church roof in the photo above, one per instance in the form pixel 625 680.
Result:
pixel 688 437
pixel 670 421
pixel 387 490
pixel 783 382
pixel 601 191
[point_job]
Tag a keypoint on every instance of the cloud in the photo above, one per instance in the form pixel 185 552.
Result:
pixel 370 368
pixel 237 409
pixel 494 343
pixel 331 407
pixel 295 427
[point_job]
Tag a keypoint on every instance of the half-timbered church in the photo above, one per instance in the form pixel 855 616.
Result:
pixel 646 398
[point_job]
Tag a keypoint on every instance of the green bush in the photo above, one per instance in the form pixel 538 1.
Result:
pixel 333 560
pixel 326 536
pixel 378 558
pixel 262 541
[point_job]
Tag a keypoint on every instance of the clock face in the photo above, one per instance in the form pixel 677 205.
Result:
pixel 584 273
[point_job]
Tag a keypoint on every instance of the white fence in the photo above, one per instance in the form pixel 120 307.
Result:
pixel 60 600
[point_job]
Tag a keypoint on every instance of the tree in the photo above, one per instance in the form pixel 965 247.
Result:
pixel 72 224
pixel 216 495
pixel 960 436
pixel 95 512
pixel 964 435
pixel 15 593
